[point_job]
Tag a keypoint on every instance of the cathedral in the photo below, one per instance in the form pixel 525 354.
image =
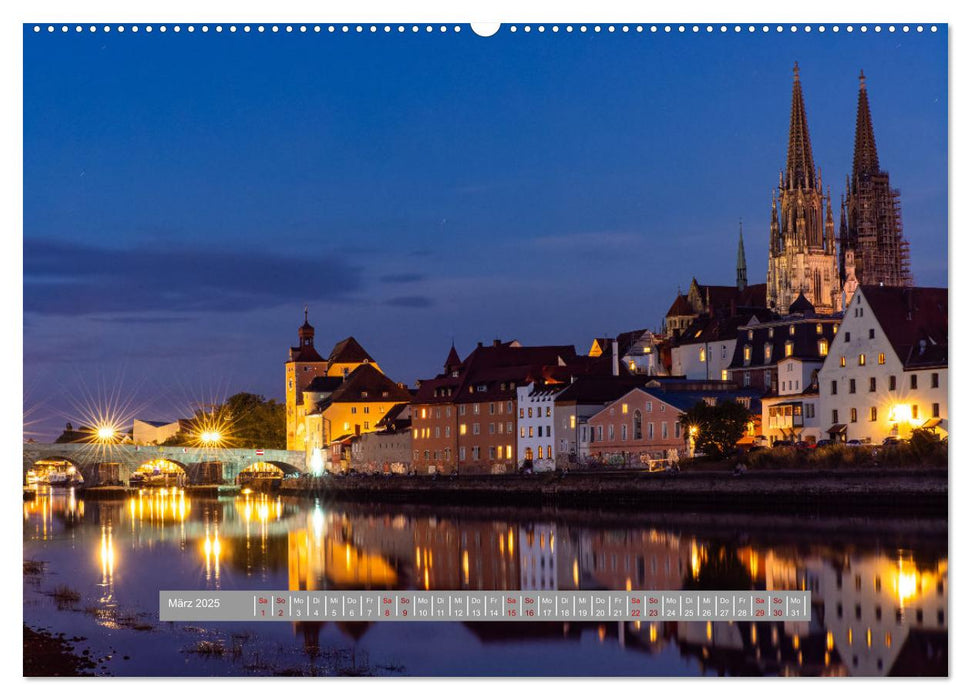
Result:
pixel 802 241
pixel 873 249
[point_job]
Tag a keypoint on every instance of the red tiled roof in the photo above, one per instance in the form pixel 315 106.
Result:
pixel 349 351
pixel 680 307
pixel 914 320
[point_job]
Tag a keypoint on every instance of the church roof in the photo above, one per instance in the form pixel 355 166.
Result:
pixel 680 307
pixel 349 351
pixel 801 305
pixel 322 385
pixel 304 353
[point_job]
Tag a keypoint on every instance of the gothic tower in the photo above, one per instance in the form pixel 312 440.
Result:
pixel 802 238
pixel 741 271
pixel 871 234
pixel 303 364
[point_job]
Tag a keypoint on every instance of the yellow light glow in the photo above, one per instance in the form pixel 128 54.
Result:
pixel 899 413
pixel 106 432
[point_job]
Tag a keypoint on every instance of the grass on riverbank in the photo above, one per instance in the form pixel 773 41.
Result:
pixel 904 455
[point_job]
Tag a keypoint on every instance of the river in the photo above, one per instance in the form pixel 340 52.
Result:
pixel 93 569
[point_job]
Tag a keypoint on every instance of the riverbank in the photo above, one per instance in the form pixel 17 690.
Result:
pixel 922 490
pixel 47 655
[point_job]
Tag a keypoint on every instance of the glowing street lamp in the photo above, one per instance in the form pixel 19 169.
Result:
pixel 106 433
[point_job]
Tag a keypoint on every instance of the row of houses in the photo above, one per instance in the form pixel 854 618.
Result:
pixel 877 371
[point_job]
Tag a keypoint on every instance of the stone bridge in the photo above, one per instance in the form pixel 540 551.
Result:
pixel 100 464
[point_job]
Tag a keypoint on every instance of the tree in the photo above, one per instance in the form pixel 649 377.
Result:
pixel 716 428
pixel 244 420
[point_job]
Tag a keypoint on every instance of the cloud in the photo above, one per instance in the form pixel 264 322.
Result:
pixel 411 302
pixel 63 278
pixel 402 277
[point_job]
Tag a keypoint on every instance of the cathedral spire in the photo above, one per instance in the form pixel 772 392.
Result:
pixel 741 272
pixel 865 159
pixel 799 164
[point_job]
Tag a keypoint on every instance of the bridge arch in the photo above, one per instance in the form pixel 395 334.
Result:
pixel 161 471
pixel 55 470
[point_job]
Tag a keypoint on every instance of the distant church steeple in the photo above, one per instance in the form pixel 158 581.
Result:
pixel 741 271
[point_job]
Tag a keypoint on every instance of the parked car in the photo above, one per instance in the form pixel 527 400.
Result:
pixel 803 445
pixel 854 443
pixel 824 443
pixel 892 441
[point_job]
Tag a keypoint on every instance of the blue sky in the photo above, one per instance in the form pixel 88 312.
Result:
pixel 185 195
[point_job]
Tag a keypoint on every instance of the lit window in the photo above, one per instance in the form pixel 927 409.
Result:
pixel 861 359
pixel 792 329
pixel 462 429
pixel 747 353
pixel 823 348
pixel 789 347
pixel 842 361
pixel 768 352
pixel 881 359
pixel 701 355
pixel 819 329
pixel 573 422
pixel 623 408
pixel 632 366
pixel 724 375
pixel 873 413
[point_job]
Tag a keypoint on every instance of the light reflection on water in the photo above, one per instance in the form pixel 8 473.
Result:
pixel 878 609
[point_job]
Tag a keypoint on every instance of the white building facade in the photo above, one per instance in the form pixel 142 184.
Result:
pixel 794 412
pixel 886 373
pixel 535 403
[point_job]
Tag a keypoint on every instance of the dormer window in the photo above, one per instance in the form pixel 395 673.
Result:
pixel 747 354
pixel 751 334
pixel 819 329
pixel 768 352
pixel 771 333
pixel 790 346
pixel 792 329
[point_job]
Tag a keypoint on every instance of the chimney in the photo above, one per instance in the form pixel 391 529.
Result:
pixel 480 344
pixel 615 364
pixel 496 343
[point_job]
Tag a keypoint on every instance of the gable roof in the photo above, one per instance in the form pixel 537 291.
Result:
pixel 349 351
pixel 304 353
pixel 680 307
pixel 323 385
pixel 914 320
pixel 367 384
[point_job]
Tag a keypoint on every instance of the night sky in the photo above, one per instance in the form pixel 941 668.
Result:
pixel 186 194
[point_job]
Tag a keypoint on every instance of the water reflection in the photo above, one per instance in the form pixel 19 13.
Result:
pixel 876 609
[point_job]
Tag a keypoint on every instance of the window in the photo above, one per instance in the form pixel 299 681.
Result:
pixel 832 387
pixel 819 329
pixel 893 382
pixel 637 425
pixel 789 348
pixel 751 334
pixel 475 453
pixel 881 359
pixel 664 431
pixel 500 427
pixel 823 348
pixel 872 334
pixel 448 431
pixel 701 355
pixel 438 431
pixel 522 411
pixel 767 352
pixel 492 453
pixel 462 454
pixel 873 414
pixel 530 431
pixel 649 407
pixel 842 361
pixel 661 407
pixel 913 381
pixel 747 379
pixel 353 410
pixel 509 427
pixel 475 408
pixel 600 433
pixel 623 431
pixel 810 410
pixel 747 354
pixel 549 412
pixel 623 408
pixel 852 415
pixel 650 431
pixel 936 410
pixel 914 412
pixel 508 406
pixel 852 386
pixel 861 359
pixel 846 336
pixel 492 409
pixel 935 380
pixel 492 428
pixel 610 431
pixel 462 429
pixel 836 416
pixel 529 413
pixel 792 329
pixel 767 378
